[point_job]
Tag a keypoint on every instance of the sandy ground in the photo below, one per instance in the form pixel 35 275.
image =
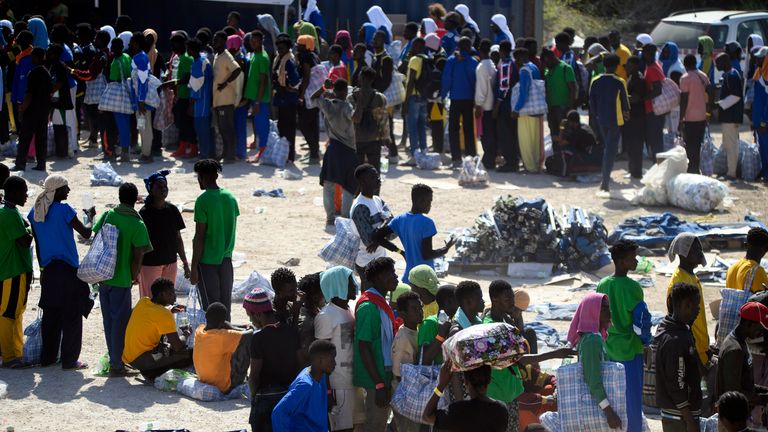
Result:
pixel 271 231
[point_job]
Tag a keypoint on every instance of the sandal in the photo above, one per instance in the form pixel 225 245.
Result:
pixel 77 366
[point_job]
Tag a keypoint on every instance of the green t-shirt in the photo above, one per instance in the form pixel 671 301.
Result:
pixel 122 62
pixel 506 384
pixel 624 294
pixel 259 66
pixel 591 353
pixel 557 79
pixel 217 208
pixel 14 259
pixel 184 68
pixel 132 234
pixel 427 332
pixel 368 328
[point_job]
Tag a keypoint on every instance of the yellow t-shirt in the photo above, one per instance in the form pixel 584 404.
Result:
pixel 623 53
pixel 741 271
pixel 430 309
pixel 212 355
pixel 148 322
pixel 699 327
pixel 415 64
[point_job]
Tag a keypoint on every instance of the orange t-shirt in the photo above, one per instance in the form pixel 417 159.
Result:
pixel 212 355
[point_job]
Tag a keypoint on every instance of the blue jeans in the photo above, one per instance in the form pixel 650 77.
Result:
pixel 241 131
pixel 611 134
pixel 115 310
pixel 261 123
pixel 205 137
pixel 416 120
pixel 123 122
pixel 633 371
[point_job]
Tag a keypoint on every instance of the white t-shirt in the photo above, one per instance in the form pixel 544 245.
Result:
pixel 338 325
pixel 379 214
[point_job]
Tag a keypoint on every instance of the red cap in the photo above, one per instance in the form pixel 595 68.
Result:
pixel 756 312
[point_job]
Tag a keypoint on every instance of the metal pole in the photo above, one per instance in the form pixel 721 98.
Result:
pixel 285 19
pixel 298 17
pixel 119 7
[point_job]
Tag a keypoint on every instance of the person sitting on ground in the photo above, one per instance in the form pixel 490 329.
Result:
pixel 479 413
pixel 423 281
pixel 678 380
pixel 748 268
pixel 152 344
pixel 221 355
pixel 432 333
pixel 416 230
pixel 577 151
pixel 288 300
pixel 734 367
pixel 404 349
pixel 305 406
pixel 733 412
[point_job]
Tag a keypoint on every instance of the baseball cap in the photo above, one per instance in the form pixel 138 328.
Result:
pixel 755 312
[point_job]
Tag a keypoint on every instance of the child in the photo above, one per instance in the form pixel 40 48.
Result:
pixel 404 348
pixel 742 271
pixel 678 381
pixel 629 314
pixel 424 282
pixel 416 231
pixel 432 334
pixel 221 354
pixel 688 248
pixel 733 410
pixel 587 334
pixel 336 68
pixel 305 406
pixel 275 358
pixel 335 323
pixel 288 300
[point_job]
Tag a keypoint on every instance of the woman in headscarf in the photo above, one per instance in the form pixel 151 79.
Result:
pixel 501 30
pixel 344 40
pixel 588 331
pixel 63 296
pixel 670 62
pixel 269 27
pixel 234 46
pixel 111 32
pixel 687 247
pixel 308 29
pixel 164 224
pixel 336 324
pixel 126 38
pixel 380 21
pixel 365 35
pixel 155 66
pixel 469 23
pixel 707 64
pixel 39 33
pixel 312 15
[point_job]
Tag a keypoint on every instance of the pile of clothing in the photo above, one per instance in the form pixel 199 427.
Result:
pixel 583 243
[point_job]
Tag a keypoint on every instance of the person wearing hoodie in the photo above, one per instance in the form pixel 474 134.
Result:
pixel 678 389
pixel 459 83
pixel 707 63
pixel 500 30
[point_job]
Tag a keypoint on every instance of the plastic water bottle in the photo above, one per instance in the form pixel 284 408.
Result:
pixel 384 165
pixel 442 317
pixel 644 265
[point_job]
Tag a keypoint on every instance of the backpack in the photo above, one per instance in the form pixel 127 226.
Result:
pixel 582 82
pixel 425 82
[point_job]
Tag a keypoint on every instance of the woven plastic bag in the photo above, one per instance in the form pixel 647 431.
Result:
pixel 707 159
pixel 170 379
pixel 669 98
pixel 196 389
pixel 733 299
pixel 343 247
pixel 33 345
pixel 749 161
pixel 99 262
pixel 696 192
pixel 498 345
pixel 276 153
pixel 578 411
pixel 416 386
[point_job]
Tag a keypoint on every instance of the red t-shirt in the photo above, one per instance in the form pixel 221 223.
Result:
pixel 653 74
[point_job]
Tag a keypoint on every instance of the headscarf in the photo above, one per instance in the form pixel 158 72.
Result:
pixel 379 19
pixel 7 24
pixel 45 199
pixel 111 33
pixel 126 38
pixel 596 49
pixel 501 21
pixel 308 29
pixel 464 11
pixel 344 40
pixel 369 30
pixel 681 245
pixel 432 41
pixel 429 25
pixel 311 7
pixel 234 42
pixel 152 52
pixel 757 40
pixel 423 276
pixel 587 318
pixel 644 39
pixel 707 47
pixel 762 71
pixel 154 178
pixel 308 42
pixel 140 63
pixel 268 23
pixel 39 32
pixel 334 282
pixel 672 62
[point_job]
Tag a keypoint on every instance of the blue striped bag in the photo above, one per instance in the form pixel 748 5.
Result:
pixel 99 263
pixel 578 411
pixel 33 345
pixel 415 389
pixel 733 300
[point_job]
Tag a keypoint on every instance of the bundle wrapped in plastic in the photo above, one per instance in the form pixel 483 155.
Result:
pixel 472 172
pixel 696 192
pixel 498 345
pixel 255 280
pixel 170 379
pixel 654 193
pixel 427 161
pixel 196 389
pixel 104 175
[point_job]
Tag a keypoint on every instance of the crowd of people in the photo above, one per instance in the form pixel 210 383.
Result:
pixel 314 361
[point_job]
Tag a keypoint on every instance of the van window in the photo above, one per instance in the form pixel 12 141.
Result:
pixel 686 34
pixel 746 28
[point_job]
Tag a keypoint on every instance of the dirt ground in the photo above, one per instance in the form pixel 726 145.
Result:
pixel 272 231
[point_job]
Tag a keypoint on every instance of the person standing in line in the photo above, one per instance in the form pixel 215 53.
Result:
pixel 216 212
pixel 286 80
pixel 34 110
pixel 119 71
pixel 561 90
pixel 180 66
pixel 731 114
pixel 459 84
pixel 309 118
pixel 654 124
pixel 227 80
pixel 404 349
pixel 258 90
pixel 693 111
pixel 633 131
pixel 370 106
pixel 485 99
pixel 235 47
pixel 115 294
pixel 140 66
pixel 15 271
pixel 760 110
pixel 95 82
pixel 63 296
pixel 508 76
pixel 384 67
pixel 609 104
pixel 621 50
pixel 200 97
pixel 164 224
pixel 529 129
pixel 415 105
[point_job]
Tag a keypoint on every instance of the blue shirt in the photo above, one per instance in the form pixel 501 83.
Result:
pixel 304 408
pixel 55 238
pixel 412 228
pixel 203 96
pixel 316 18
pixel 459 78
pixel 608 99
pixel 528 72
pixel 67 57
pixel 19 85
pixel 141 63
pixel 759 105
pixel 500 37
pixel 449 41
pixel 732 85
pixel 284 98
